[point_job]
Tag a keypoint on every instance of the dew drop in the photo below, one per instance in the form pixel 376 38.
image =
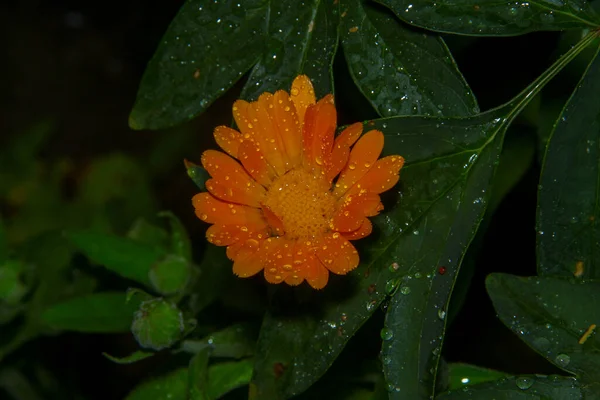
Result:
pixel 386 334
pixel 441 314
pixel 562 360
pixel 405 290
pixel 524 382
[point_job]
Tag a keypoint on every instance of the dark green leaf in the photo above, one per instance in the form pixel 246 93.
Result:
pixel 207 48
pixel 224 377
pixel 490 17
pixel 198 376
pixel 462 375
pixel 399 70
pixel 180 241
pixel 302 39
pixel 123 256
pixel 568 211
pixel 144 232
pixel 173 386
pixel 170 275
pixel 552 315
pixel 99 312
pixel 130 359
pixel 439 202
pixel 236 341
pixel 521 388
pixel 198 174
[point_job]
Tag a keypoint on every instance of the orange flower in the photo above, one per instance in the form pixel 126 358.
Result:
pixel 275 202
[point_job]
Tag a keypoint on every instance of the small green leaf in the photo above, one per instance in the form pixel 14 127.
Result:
pixel 226 376
pixel 301 39
pixel 198 174
pixel 236 341
pixel 180 241
pixel 495 18
pixel 520 388
pixel 399 70
pixel 123 256
pixel 105 312
pixel 170 275
pixel 173 386
pixel 556 317
pixel 130 359
pixel 146 233
pixel 157 324
pixel 198 376
pixel 568 213
pixel 207 48
pixel 462 375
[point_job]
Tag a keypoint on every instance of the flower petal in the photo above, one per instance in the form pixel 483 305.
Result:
pixel 349 135
pixel 362 157
pixel 383 176
pixel 228 139
pixel 278 253
pixel 337 254
pixel 317 275
pixel 226 235
pixel 231 182
pixel 242 120
pixel 363 231
pixel 275 223
pixel 289 127
pixel 303 95
pixel 267 133
pixel 317 135
pixel 353 208
pixel 255 163
pixel 214 211
pixel 248 260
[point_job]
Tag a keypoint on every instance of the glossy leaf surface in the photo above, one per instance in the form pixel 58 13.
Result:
pixel 568 213
pixel 495 18
pixel 549 315
pixel 401 71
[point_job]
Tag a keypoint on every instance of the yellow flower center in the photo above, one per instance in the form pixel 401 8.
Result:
pixel 303 202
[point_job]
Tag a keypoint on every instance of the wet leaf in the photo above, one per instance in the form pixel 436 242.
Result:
pixel 157 324
pixel 301 39
pixel 206 49
pixel 170 275
pixel 438 206
pixel 401 71
pixel 123 256
pixel 489 17
pixel 173 386
pixel 224 377
pixel 198 376
pixel 555 317
pixel 520 388
pixel 144 232
pixel 105 312
pixel 568 241
pixel 130 359
pixel 235 341
pixel 462 375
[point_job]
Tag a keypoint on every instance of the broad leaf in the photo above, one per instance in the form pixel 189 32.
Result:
pixel 521 388
pixel 207 48
pixel 99 312
pixel 123 256
pixel 301 39
pixel 495 18
pixel 399 70
pixel 550 316
pixel 438 205
pixel 198 376
pixel 568 210
pixel 461 375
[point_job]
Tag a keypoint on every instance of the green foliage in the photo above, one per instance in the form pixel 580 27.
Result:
pixel 210 333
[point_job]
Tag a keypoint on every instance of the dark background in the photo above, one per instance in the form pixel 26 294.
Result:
pixel 79 64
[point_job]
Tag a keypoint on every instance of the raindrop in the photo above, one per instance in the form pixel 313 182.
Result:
pixel 371 305
pixel 390 286
pixel 524 382
pixel 441 314
pixel 405 290
pixel 386 334
pixel 562 360
pixel 541 343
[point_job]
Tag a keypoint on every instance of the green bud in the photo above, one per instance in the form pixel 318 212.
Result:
pixel 170 275
pixel 157 324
